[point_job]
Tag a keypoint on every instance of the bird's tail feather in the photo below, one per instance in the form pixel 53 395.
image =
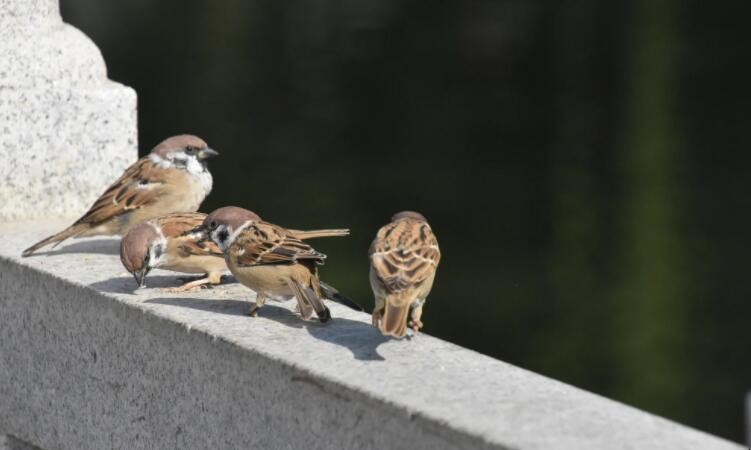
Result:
pixel 394 321
pixel 312 234
pixel 71 231
pixel 308 302
pixel 331 293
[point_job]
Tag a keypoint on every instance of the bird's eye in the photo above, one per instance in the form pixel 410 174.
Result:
pixel 212 225
pixel 191 150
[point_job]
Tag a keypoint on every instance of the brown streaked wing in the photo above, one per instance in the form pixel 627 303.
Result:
pixel 176 224
pixel 404 254
pixel 188 245
pixel 265 243
pixel 137 187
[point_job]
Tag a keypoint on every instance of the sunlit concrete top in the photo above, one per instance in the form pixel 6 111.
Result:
pixel 372 391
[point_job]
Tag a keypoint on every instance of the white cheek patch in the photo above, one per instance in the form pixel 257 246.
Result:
pixel 192 165
pixel 158 250
pixel 217 234
pixel 160 162
pixel 189 163
pixel 195 168
pixel 158 253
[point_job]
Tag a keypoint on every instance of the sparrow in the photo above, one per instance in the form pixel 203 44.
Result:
pixel 168 242
pixel 273 261
pixel 404 257
pixel 174 177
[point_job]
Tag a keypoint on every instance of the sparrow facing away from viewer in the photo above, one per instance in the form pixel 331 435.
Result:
pixel 174 177
pixel 403 261
pixel 167 242
pixel 273 261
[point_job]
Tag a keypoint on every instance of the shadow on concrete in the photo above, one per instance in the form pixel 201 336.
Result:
pixel 219 306
pixel 104 246
pixel 127 285
pixel 358 337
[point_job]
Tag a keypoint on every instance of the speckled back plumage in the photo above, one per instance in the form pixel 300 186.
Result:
pixel 404 254
pixel 265 243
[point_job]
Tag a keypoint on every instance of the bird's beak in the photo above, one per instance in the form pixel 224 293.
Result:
pixel 140 276
pixel 206 153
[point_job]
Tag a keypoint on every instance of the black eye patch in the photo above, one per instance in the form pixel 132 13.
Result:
pixel 223 235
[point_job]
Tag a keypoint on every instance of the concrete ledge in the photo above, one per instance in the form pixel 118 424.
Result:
pixel 87 363
pixel 8 442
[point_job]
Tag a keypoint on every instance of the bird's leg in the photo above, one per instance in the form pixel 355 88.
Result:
pixel 376 318
pixel 192 285
pixel 380 304
pixel 260 300
pixel 415 323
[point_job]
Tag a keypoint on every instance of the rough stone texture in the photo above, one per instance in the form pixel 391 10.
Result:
pixel 11 443
pixel 66 130
pixel 85 362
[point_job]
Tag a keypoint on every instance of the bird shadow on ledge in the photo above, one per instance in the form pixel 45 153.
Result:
pixel 359 338
pixel 98 246
pixel 127 285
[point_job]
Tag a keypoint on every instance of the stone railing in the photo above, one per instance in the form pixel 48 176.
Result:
pixel 66 130
pixel 86 362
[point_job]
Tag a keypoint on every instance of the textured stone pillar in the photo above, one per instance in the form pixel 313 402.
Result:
pixel 66 131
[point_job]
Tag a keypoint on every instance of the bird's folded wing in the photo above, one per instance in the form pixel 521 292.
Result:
pixel 404 254
pixel 140 185
pixel 265 243
pixel 181 223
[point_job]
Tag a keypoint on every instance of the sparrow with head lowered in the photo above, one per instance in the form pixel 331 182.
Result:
pixel 403 260
pixel 174 177
pixel 167 242
pixel 273 261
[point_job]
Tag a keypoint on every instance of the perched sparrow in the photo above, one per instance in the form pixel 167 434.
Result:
pixel 272 261
pixel 403 260
pixel 168 243
pixel 174 177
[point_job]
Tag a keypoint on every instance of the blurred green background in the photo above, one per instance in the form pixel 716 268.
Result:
pixel 584 164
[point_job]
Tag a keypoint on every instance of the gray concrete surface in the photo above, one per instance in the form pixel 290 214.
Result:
pixel 86 362
pixel 66 131
pixel 8 442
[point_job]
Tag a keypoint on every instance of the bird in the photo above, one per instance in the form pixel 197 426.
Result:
pixel 404 257
pixel 174 177
pixel 167 242
pixel 273 261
